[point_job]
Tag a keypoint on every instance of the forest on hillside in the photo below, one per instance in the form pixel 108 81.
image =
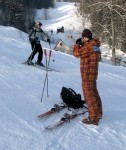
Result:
pixel 108 21
pixel 21 13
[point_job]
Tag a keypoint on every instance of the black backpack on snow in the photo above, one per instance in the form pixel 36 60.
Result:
pixel 71 98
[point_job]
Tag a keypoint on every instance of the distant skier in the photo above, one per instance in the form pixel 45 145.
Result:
pixel 87 49
pixel 36 34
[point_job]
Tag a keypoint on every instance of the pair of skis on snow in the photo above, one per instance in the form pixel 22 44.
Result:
pixel 65 118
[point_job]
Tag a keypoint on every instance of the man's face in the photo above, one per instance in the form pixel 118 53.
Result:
pixel 85 39
pixel 38 26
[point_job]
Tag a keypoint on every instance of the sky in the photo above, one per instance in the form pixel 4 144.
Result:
pixel 21 89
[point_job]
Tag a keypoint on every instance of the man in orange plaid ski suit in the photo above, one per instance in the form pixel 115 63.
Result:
pixel 87 49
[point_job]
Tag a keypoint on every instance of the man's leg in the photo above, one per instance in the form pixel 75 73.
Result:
pixel 99 102
pixel 40 55
pixel 34 51
pixel 91 99
pixel 40 51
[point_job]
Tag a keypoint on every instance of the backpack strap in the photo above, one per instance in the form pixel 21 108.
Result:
pixel 73 91
pixel 43 32
pixel 32 32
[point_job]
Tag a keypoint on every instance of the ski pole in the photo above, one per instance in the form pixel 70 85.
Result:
pixel 45 56
pixel 50 54
pixel 46 71
pixel 51 50
pixel 46 77
pixel 43 87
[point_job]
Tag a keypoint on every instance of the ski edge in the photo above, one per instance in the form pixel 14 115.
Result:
pixel 51 111
pixel 41 67
pixel 60 122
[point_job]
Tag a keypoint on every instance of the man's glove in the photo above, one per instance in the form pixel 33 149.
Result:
pixel 96 48
pixel 48 40
pixel 80 42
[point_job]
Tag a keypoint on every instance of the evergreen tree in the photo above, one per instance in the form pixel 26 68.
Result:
pixel 20 13
pixel 43 4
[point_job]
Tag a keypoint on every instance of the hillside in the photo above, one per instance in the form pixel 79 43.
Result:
pixel 20 101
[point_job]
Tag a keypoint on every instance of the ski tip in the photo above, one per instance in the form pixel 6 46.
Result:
pixel 41 116
pixel 49 128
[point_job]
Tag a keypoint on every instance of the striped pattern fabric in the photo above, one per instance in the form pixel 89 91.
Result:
pixel 89 60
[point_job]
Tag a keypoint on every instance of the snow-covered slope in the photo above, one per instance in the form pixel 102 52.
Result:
pixel 20 101
pixel 64 14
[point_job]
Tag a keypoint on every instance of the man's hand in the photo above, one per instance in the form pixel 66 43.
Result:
pixel 48 40
pixel 80 42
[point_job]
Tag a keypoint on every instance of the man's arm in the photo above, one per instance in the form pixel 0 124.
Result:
pixel 81 51
pixel 31 32
pixel 48 39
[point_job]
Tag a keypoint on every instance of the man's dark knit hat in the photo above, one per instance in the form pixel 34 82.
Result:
pixel 87 33
pixel 39 23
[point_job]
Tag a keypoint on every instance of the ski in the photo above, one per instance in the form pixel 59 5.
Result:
pixel 40 67
pixel 66 118
pixel 54 109
pixel 43 67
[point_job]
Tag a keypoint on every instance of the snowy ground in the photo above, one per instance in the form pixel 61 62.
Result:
pixel 20 101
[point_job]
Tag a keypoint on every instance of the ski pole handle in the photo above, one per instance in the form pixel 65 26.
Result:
pixel 45 52
pixel 50 53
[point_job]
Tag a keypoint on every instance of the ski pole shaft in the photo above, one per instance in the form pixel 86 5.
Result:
pixel 43 87
pixel 45 56
pixel 47 86
pixel 47 73
pixel 45 52
pixel 51 52
pixel 46 77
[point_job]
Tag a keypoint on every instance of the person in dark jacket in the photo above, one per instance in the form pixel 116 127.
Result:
pixel 87 49
pixel 36 34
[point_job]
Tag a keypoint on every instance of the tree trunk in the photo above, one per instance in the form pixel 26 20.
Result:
pixel 113 35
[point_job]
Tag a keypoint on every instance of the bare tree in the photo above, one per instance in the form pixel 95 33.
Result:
pixel 108 19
